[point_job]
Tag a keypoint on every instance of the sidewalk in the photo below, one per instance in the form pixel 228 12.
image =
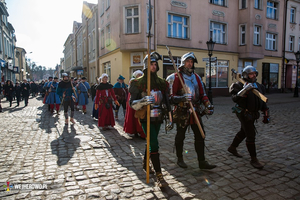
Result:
pixel 108 164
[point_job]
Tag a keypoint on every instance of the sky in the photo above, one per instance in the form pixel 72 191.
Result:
pixel 43 26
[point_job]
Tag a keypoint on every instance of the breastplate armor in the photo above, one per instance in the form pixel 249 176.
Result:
pixel 155 109
pixel 191 86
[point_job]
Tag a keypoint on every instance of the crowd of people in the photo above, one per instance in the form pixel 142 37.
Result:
pixel 170 101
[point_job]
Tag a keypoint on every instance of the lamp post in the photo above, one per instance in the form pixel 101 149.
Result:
pixel 297 54
pixel 210 46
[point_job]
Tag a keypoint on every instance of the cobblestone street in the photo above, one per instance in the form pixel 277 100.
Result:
pixel 83 162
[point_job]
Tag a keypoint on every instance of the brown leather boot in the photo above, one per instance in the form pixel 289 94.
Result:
pixel 255 163
pixel 72 120
pixel 234 152
pixel 160 180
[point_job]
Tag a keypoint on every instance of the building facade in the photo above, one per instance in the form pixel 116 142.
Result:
pixel 245 32
pixel 291 44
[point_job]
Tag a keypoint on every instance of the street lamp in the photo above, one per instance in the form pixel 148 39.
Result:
pixel 297 54
pixel 210 46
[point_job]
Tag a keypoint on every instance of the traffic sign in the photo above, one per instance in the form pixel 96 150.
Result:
pixel 207 59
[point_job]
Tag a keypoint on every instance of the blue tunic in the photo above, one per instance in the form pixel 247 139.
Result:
pixel 65 87
pixel 53 98
pixel 83 96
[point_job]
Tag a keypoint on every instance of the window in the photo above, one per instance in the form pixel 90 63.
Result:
pixel 102 38
pixel 107 4
pixel 178 26
pixel 257 4
pixel 298 44
pixel 219 73
pixel 102 8
pixel 218 32
pixel 292 17
pixel 107 70
pixel 242 35
pixel 272 10
pixel 108 39
pixel 218 2
pixel 291 43
pixel 243 4
pixel 132 20
pixel 257 30
pixel 271 41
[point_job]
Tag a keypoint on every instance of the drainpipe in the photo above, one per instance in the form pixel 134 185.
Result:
pixel 283 76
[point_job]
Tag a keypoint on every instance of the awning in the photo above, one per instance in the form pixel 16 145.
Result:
pixel 76 68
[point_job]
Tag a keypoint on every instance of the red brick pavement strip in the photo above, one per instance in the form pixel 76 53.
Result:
pixel 109 165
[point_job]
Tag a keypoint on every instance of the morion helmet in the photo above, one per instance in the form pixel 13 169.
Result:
pixel 154 57
pixel 189 55
pixel 248 70
pixel 64 74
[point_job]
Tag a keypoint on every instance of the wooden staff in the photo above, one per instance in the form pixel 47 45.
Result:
pixel 185 91
pixel 73 89
pixel 148 93
pixel 237 76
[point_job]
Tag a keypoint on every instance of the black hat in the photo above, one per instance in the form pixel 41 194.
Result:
pixel 55 77
pixel 83 78
pixel 72 77
pixel 50 77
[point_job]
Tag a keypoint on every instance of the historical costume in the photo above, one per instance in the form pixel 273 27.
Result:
pixel 83 93
pixel 182 115
pixel 247 110
pixel 159 103
pixel 121 92
pixel 66 92
pixel 104 101
pixel 53 97
pixel 131 124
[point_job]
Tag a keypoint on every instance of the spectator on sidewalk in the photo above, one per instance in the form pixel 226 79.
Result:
pixel 8 90
pixel 25 88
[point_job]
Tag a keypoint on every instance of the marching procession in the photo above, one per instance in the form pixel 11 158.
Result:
pixel 172 101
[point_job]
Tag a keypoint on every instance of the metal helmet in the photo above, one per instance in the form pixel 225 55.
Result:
pixel 65 74
pixel 248 70
pixel 189 55
pixel 154 57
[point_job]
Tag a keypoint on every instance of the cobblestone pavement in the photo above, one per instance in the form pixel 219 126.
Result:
pixel 84 162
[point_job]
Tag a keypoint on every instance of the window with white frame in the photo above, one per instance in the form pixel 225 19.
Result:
pixel 218 32
pixel 107 4
pixel 291 43
pixel 242 34
pixel 243 4
pixel 219 2
pixel 257 35
pixel 271 41
pixel 258 4
pixel 178 26
pixel 272 11
pixel 108 39
pixel 219 73
pixel 102 7
pixel 293 15
pixel 132 20
pixel 107 70
pixel 102 39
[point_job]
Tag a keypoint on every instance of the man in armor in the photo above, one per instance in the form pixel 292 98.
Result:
pixel 159 107
pixel 182 115
pixel 247 110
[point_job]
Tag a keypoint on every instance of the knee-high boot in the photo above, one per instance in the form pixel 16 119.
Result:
pixel 235 143
pixel 156 164
pixel 145 163
pixel 252 151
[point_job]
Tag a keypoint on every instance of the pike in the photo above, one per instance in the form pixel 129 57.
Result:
pixel 185 91
pixel 148 92
pixel 237 76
